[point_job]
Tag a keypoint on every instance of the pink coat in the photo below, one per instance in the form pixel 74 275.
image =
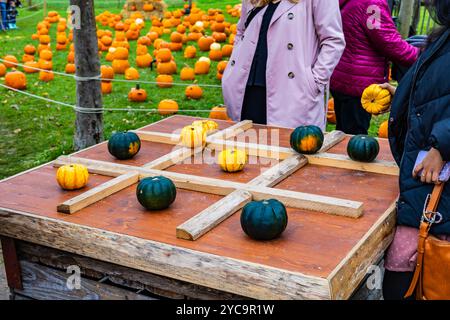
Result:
pixel 305 43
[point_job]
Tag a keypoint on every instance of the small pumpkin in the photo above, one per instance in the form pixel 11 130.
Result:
pixel 307 139
pixel 164 55
pixel 131 74
pixel 10 61
pixel 219 113
pixel 46 76
pixel 121 53
pixel 204 43
pixel 193 137
pixel 221 66
pixel 27 58
pixel 144 60
pixel 167 107
pixel 16 79
pixel 201 67
pixel 2 69
pixel 29 49
pixel 124 145
pixel 227 50
pixel 107 72
pixel 363 148
pixel 331 114
pixel 30 67
pixel 190 52
pixel 72 176
pixel 232 160
pixel 187 74
pixel 215 55
pixel 106 87
pixel 70 68
pixel 156 193
pixel 264 220
pixel 120 66
pixel 137 94
pixel 383 130
pixel 376 100
pixel 164 81
pixel 166 67
pixel 207 125
pixel 194 92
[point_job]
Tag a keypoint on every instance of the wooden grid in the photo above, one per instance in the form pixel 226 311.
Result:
pixel 236 194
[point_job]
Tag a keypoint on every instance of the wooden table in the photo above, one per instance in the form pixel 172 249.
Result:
pixel 125 252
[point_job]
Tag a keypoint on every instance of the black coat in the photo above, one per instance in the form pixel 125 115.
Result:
pixel 420 117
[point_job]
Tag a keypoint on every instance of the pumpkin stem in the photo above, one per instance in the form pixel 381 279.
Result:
pixel 138 86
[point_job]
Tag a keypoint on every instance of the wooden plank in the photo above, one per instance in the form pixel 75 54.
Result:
pixel 12 266
pixel 119 275
pixel 369 250
pixel 218 272
pixel 209 218
pixel 98 193
pixel 44 283
pixel 331 139
pixel 298 200
pixel 170 159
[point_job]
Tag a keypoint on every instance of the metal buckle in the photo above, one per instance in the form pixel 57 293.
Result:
pixel 431 214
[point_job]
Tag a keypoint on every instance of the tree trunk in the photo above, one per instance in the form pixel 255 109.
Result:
pixel 31 7
pixel 88 126
pixel 405 17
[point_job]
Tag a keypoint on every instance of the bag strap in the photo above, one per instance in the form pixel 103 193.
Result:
pixel 428 218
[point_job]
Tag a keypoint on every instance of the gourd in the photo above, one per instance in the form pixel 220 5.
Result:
pixel 124 145
pixel 137 94
pixel 193 137
pixel 363 148
pixel 264 220
pixel 156 193
pixel 307 139
pixel 376 100
pixel 72 176
pixel 207 125
pixel 232 160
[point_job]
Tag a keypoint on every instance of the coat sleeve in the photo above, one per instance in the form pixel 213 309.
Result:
pixel 241 24
pixel 441 133
pixel 328 25
pixel 384 36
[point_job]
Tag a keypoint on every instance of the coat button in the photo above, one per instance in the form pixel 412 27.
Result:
pixel 391 119
pixel 232 62
pixel 290 46
pixel 291 75
pixel 290 16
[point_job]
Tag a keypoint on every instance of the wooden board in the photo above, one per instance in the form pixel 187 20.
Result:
pixel 303 264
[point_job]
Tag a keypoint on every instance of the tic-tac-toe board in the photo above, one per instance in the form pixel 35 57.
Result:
pixel 341 213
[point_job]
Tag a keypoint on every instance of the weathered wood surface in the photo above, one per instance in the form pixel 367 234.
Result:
pixel 12 266
pixel 4 289
pixel 118 275
pixel 88 126
pixel 217 272
pixel 43 283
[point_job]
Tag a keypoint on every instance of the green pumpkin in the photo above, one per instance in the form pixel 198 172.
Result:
pixel 264 220
pixel 307 139
pixel 363 148
pixel 124 145
pixel 156 193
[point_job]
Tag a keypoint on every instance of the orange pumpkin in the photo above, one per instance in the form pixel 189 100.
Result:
pixel 27 57
pixel 29 49
pixel 46 76
pixel 219 113
pixel 131 74
pixel 106 87
pixel 153 35
pixel 187 74
pixel 148 7
pixel 16 79
pixel 10 61
pixel 194 92
pixel 107 72
pixel 204 43
pixel 70 68
pixel 331 115
pixel 2 69
pixel 221 66
pixel 227 50
pixel 181 29
pixel 201 67
pixel 144 40
pixel 30 67
pixel 166 67
pixel 164 81
pixel 121 53
pixel 106 40
pixel 167 107
pixel 164 55
pixel 46 55
pixel 175 46
pixel 383 130
pixel 46 65
pixel 120 66
pixel 219 36
pixel 190 52
pixel 176 37
pixel 215 55
pixel 144 61
pixel 71 57
pixel 137 94
pixel 44 39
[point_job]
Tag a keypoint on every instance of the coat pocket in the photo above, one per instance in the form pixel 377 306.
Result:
pixel 315 89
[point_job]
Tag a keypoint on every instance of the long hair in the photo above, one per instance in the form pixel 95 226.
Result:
pixel 440 13
pixel 262 3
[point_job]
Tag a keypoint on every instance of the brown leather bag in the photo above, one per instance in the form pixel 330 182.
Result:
pixel 431 280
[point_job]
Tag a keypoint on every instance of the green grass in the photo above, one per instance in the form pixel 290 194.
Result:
pixel 34 132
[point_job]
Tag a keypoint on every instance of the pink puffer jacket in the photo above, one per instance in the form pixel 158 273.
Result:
pixel 372 40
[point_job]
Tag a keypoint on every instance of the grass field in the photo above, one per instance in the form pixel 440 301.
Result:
pixel 34 131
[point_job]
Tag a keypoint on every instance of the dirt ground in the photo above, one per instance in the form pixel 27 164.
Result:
pixel 3 286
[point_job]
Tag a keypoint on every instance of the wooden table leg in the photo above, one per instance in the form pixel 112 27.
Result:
pixel 12 266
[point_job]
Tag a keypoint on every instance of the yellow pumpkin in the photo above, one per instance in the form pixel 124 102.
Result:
pixel 375 99
pixel 207 125
pixel 232 160
pixel 383 130
pixel 72 176
pixel 193 136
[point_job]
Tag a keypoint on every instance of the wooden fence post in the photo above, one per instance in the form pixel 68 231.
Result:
pixel 88 126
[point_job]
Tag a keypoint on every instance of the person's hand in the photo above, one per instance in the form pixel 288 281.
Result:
pixel 389 87
pixel 431 167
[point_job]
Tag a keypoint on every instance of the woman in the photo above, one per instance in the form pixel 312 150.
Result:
pixel 284 54
pixel 372 41
pixel 420 120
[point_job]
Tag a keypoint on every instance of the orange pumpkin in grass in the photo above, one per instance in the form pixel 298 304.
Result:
pixel 144 61
pixel 31 67
pixel 137 94
pixel 194 92
pixel 181 29
pixel 175 46
pixel 46 55
pixel 46 76
pixel 106 87
pixel 121 53
pixel 187 74
pixel 70 68
pixel 107 72
pixel 164 81
pixel 227 50
pixel 45 64
pixel 216 53
pixel 29 49
pixel 152 35
pixel 167 107
pixel 27 58
pixel 204 43
pixel 190 52
pixel 106 40
pixel 120 66
pixel 144 40
pixel 219 113
pixel 201 67
pixel 44 39
pixel 16 79
pixel 10 61
pixel 176 37
pixel 71 57
pixel 166 67
pixel 2 69
pixel 131 74
pixel 221 66
pixel 164 55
